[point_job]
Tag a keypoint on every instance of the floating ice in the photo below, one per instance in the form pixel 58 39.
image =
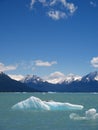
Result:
pixel 75 116
pixel 91 114
pixel 34 103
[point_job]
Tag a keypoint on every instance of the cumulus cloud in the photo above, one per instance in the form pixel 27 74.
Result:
pixel 44 63
pixel 16 77
pixel 55 77
pixel 4 68
pixel 94 62
pixel 31 66
pixel 58 77
pixel 56 9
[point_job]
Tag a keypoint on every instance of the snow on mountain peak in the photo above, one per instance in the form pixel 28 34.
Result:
pixel 91 76
pixel 70 78
pixel 31 78
pixel 58 77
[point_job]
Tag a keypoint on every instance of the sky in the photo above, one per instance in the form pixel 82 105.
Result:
pixel 48 37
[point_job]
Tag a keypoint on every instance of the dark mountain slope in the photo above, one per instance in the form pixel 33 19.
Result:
pixel 9 85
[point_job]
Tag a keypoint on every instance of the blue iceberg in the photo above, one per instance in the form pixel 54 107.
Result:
pixel 34 103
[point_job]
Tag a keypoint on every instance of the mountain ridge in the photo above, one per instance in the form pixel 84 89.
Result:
pixel 33 83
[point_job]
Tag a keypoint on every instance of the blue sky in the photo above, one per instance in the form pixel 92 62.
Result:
pixel 47 36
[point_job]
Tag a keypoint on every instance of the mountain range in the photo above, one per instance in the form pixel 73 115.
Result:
pixel 33 83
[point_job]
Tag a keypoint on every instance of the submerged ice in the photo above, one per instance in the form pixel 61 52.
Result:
pixel 90 114
pixel 34 103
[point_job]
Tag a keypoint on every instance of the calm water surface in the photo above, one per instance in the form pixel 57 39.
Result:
pixel 47 120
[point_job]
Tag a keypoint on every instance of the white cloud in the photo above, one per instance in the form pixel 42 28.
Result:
pixel 16 77
pixel 55 77
pixel 92 3
pixel 71 7
pixel 56 9
pixel 58 77
pixel 56 15
pixel 33 64
pixel 7 68
pixel 94 62
pixel 44 63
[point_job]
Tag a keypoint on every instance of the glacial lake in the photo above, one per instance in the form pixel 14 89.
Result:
pixel 85 119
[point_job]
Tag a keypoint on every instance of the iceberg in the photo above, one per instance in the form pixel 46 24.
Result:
pixel 90 114
pixel 34 103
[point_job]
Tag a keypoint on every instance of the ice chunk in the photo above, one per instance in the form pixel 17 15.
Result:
pixel 90 114
pixel 62 106
pixel 34 103
pixel 75 116
pixel 31 103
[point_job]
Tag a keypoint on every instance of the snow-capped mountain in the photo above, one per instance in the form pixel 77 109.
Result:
pixel 33 83
pixel 93 76
pixel 59 78
pixel 67 79
pixel 31 79
pixel 70 78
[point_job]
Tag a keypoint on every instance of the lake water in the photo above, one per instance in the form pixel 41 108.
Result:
pixel 49 120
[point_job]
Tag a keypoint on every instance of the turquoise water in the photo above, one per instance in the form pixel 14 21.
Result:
pixel 47 120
